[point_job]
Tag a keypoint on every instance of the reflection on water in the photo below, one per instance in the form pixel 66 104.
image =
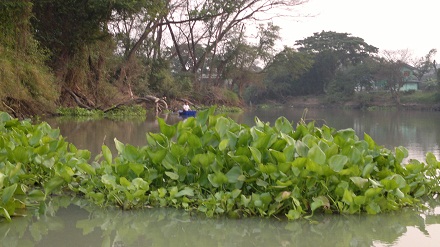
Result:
pixel 78 224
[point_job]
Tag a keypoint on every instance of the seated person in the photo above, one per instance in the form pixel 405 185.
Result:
pixel 186 107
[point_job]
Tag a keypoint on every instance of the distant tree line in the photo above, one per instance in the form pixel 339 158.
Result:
pixel 95 53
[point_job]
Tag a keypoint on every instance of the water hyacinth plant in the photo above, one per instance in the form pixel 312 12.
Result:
pixel 213 165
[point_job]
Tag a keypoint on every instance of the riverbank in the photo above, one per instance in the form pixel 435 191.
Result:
pixel 372 102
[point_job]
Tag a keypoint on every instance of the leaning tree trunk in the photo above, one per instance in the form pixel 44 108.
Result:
pixel 159 103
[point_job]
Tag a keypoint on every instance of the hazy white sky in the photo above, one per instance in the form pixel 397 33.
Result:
pixel 385 24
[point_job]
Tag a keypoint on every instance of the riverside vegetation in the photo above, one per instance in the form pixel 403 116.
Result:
pixel 213 165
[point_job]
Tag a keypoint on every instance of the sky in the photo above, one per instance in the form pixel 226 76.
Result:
pixel 386 24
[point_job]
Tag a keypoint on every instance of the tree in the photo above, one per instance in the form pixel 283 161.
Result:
pixel 281 76
pixel 424 64
pixel 390 71
pixel 353 78
pixel 77 36
pixel 239 60
pixel 208 23
pixel 27 86
pixel 142 22
pixel 332 51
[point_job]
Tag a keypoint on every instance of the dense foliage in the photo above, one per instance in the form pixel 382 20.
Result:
pixel 26 83
pixel 213 165
pixel 97 53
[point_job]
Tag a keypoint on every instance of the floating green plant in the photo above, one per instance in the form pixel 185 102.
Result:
pixel 216 166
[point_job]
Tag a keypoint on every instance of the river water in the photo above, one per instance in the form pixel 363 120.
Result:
pixel 73 222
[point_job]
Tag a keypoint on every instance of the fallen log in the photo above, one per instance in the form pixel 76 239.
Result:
pixel 159 103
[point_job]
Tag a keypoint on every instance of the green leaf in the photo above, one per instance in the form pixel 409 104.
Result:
pixel 53 184
pixel 223 145
pixel 240 159
pixel 261 183
pixel 256 154
pixel 346 134
pixel 136 168
pixel 431 160
pixel 399 193
pixel 283 125
pixel 187 191
pixel 279 156
pixel 21 154
pixel 167 130
pixel 157 156
pixel 5 214
pixel 293 214
pixel 319 202
pixel 266 198
pixel 301 148
pixel 8 193
pixel 36 195
pixel 217 179
pixel 359 200
pixel 130 153
pixel 204 159
pixel 420 191
pixel 119 146
pixel 317 155
pixel 172 175
pixel 300 162
pixel 109 181
pixel 202 116
pixel 107 154
pixel 284 167
pixel 177 150
pixel 221 126
pixel 370 141
pixel 268 169
pixel 400 181
pixel 64 171
pixel 373 208
pixel 4 117
pixel 359 182
pixel 233 174
pixel 194 141
pixel 158 138
pixel 372 192
pixel 87 168
pixel 139 183
pixel 124 182
pixel 2 179
pixel 368 169
pixel 348 197
pixel 290 141
pixel 401 153
pixel 337 162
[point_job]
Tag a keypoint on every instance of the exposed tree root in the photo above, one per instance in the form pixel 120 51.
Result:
pixel 159 103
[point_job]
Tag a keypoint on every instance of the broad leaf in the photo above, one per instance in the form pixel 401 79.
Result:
pixel 283 125
pixel 53 184
pixel 167 130
pixel 8 193
pixel 256 154
pixel 233 174
pixel 337 162
pixel 172 175
pixel 317 155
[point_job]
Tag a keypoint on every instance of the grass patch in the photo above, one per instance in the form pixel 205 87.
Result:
pixel 421 97
pixel 124 112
